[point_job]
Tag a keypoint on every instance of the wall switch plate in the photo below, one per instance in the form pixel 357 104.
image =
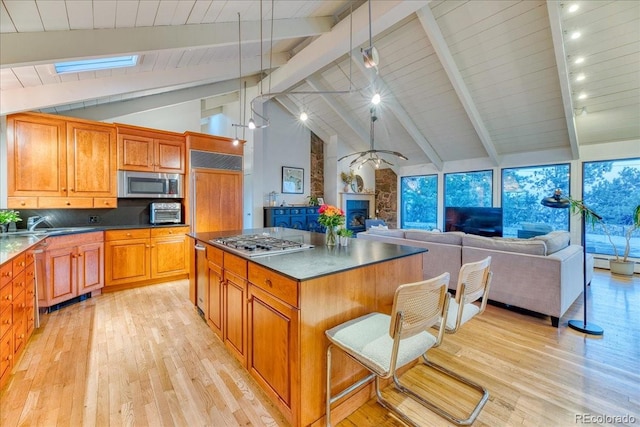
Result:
pixel 94 219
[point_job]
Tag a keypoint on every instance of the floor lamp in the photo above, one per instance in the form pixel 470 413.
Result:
pixel 558 202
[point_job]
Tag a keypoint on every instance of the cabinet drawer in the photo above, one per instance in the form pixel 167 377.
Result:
pixel 277 212
pixel 19 283
pixel 105 202
pixel 22 202
pixel 6 353
pixel 65 202
pixel 19 263
pixel 133 233
pixel 6 320
pixel 214 255
pixel 6 272
pixel 168 231
pixel 235 264
pixel 281 287
pixel 6 297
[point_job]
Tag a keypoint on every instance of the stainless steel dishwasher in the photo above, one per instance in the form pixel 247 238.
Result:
pixel 202 275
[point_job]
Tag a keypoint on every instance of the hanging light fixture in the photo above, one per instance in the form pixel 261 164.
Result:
pixel 372 156
pixel 370 54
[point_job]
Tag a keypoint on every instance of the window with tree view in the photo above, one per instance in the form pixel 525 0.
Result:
pixel 419 202
pixel 612 190
pixel 522 190
pixel 468 189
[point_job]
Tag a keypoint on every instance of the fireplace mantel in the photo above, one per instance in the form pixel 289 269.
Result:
pixel 371 197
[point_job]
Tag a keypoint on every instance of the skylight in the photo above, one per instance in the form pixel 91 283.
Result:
pixel 96 64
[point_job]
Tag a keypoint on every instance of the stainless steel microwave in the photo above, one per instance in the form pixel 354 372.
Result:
pixel 150 185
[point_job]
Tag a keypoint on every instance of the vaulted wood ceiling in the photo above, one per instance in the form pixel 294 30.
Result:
pixel 459 79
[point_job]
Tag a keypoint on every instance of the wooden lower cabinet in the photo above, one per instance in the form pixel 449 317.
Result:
pixel 143 255
pixel 70 266
pixel 17 310
pixel 273 348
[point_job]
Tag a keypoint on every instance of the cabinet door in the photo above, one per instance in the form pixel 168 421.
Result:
pixel 36 152
pixel 217 204
pixel 127 261
pixel 90 260
pixel 168 256
pixel 91 160
pixel 214 317
pixel 299 222
pixel 273 341
pixel 60 284
pixel 169 156
pixel 235 315
pixel 135 153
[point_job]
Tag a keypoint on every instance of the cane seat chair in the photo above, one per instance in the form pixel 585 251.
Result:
pixel 383 343
pixel 474 281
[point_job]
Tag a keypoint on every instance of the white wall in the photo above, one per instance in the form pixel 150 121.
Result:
pixel 175 118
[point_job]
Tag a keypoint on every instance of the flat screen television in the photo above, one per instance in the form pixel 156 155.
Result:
pixel 474 220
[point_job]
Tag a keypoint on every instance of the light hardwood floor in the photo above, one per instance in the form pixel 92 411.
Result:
pixel 143 357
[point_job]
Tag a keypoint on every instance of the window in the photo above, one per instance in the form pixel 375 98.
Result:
pixel 419 202
pixel 522 190
pixel 468 189
pixel 611 189
pixel 96 64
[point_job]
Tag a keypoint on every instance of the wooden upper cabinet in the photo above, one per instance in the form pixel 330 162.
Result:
pixel 37 156
pixel 91 153
pixel 56 162
pixel 149 150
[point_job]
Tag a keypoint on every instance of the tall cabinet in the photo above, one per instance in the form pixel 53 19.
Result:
pixel 213 187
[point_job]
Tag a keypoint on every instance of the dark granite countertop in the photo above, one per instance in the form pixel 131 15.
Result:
pixel 320 260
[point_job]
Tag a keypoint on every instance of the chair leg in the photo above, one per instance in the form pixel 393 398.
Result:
pixel 438 410
pixel 330 399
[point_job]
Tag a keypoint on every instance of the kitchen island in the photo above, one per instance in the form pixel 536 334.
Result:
pixel 271 311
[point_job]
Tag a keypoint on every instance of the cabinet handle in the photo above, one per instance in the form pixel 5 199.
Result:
pixel 63 189
pixel 68 203
pixel 147 246
pixel 9 357
pixel 22 203
pixel 128 234
pixel 268 283
pixel 71 189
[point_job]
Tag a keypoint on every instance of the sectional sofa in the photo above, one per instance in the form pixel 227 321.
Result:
pixel 542 274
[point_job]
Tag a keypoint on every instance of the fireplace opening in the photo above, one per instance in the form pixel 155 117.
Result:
pixel 357 212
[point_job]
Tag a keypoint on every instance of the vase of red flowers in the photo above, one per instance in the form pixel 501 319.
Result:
pixel 331 217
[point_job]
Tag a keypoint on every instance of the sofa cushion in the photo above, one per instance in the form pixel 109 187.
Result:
pixel 386 232
pixel 555 241
pixel 450 238
pixel 529 246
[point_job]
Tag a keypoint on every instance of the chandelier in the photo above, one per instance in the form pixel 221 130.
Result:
pixel 372 156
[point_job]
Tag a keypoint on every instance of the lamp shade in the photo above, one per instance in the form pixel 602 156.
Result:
pixel 556 201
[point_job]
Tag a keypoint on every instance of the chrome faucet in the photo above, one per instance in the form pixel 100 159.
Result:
pixel 33 221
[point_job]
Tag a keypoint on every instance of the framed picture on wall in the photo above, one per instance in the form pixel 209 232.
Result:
pixel 292 180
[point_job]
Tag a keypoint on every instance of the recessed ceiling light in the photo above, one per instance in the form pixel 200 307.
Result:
pixel 303 116
pixel 575 35
pixel 579 60
pixel 580 77
pixel 582 95
pixel 96 64
pixel 574 7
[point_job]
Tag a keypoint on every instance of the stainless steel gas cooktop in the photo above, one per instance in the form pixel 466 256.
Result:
pixel 259 245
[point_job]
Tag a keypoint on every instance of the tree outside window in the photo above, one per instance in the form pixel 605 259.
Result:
pixel 419 202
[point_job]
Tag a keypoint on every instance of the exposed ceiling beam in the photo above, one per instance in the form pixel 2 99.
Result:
pixel 563 74
pixel 337 107
pixel 294 109
pixel 430 26
pixel 401 114
pixel 334 44
pixel 103 112
pixel 53 46
pixel 37 97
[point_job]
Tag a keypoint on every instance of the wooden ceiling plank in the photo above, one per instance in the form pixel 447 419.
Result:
pixel 430 26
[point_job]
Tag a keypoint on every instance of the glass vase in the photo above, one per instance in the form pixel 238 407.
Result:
pixel 330 236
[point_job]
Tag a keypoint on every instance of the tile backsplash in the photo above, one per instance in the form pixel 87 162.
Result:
pixel 128 212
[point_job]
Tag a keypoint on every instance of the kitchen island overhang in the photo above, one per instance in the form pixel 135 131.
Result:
pixel 271 311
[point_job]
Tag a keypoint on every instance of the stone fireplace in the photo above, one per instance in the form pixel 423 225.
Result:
pixel 357 207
